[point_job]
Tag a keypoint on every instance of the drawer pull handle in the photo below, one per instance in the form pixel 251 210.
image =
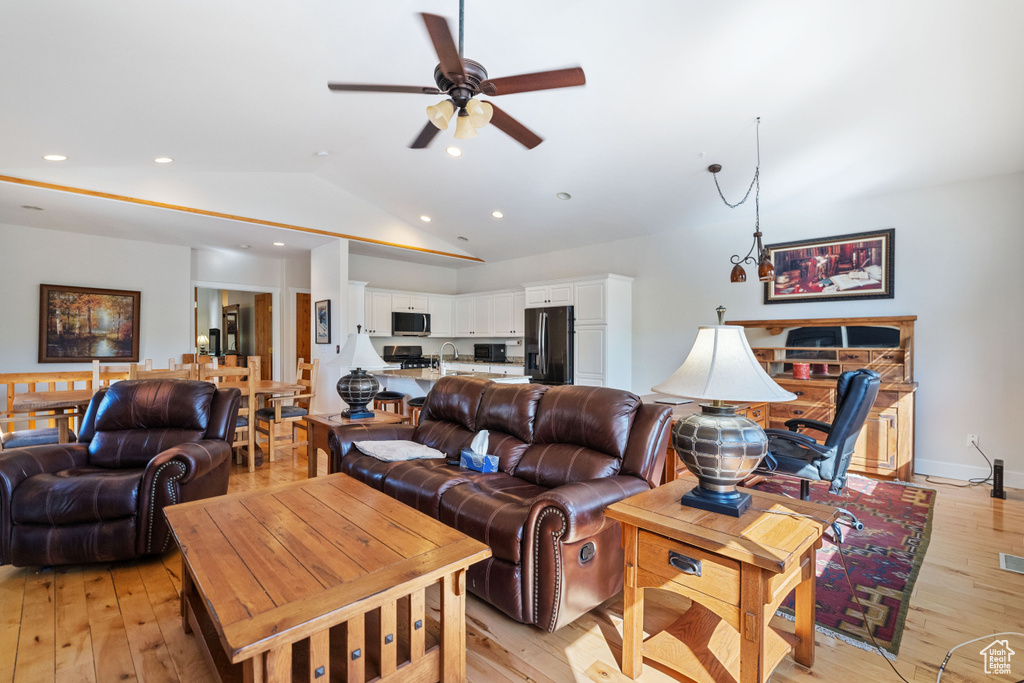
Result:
pixel 799 393
pixel 798 412
pixel 686 565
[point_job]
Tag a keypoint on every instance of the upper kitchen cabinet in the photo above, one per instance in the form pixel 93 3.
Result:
pixel 543 294
pixel 439 306
pixel 474 316
pixel 409 302
pixel 597 300
pixel 377 313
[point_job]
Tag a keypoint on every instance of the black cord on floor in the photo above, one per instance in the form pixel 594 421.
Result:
pixel 970 482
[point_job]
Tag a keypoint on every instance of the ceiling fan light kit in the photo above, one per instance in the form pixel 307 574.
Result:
pixel 461 80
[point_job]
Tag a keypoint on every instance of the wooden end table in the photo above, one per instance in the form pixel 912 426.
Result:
pixel 736 572
pixel 318 427
pixel 331 565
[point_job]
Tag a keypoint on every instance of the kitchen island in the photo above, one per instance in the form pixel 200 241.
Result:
pixel 417 382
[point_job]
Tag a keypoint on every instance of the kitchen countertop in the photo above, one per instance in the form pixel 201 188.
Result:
pixel 428 374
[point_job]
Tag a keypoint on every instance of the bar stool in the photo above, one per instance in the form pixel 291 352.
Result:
pixel 416 406
pixel 394 399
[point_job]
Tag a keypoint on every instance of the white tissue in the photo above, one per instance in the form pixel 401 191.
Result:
pixel 479 443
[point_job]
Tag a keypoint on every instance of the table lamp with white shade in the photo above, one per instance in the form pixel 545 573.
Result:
pixel 202 342
pixel 358 388
pixel 718 446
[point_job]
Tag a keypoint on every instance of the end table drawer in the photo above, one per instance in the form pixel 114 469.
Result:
pixel 719 575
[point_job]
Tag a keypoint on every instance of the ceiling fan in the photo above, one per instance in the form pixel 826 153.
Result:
pixel 462 80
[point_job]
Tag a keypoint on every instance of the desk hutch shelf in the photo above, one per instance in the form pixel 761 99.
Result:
pixel 886 444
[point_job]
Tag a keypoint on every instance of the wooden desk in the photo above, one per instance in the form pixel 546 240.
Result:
pixel 67 404
pixel 290 564
pixel 318 427
pixel 745 567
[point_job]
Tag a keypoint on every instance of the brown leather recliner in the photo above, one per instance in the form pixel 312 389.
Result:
pixel 565 453
pixel 144 444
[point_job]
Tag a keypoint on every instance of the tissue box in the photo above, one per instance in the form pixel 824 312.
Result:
pixel 478 462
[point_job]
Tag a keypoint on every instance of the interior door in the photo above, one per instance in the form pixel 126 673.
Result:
pixel 303 316
pixel 264 335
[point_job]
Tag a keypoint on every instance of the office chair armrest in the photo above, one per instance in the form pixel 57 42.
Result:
pixel 798 422
pixel 799 439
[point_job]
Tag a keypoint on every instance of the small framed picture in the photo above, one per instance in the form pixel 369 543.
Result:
pixel 322 318
pixel 840 268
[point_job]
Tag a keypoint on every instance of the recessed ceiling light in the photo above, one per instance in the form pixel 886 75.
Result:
pixel 322 153
pixel 497 214
pixel 55 157
pixel 31 208
pixel 425 219
pixel 564 195
pixel 245 246
pixel 464 239
pixel 278 244
pixel 454 151
pixel 163 160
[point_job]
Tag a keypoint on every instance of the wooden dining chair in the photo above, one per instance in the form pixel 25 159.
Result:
pixel 147 371
pixel 105 375
pixel 277 412
pixel 244 424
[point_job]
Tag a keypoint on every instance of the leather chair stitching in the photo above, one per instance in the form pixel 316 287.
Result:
pixel 170 492
pixel 558 563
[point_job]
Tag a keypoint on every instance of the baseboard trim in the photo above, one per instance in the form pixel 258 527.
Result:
pixel 935 468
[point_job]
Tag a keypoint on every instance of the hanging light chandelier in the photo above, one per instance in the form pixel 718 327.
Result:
pixel 757 253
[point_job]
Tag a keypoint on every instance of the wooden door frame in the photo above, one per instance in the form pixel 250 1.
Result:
pixel 275 314
pixel 292 322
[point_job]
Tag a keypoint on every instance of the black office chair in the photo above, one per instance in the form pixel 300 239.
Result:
pixel 798 455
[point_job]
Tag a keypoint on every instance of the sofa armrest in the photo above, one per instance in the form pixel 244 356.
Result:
pixel 196 458
pixel 582 503
pixel 341 438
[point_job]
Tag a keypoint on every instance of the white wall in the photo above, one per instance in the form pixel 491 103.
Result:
pixel 956 246
pixel 31 256
pixel 415 277
pixel 329 276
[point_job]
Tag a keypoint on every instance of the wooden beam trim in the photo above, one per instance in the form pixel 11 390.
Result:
pixel 227 216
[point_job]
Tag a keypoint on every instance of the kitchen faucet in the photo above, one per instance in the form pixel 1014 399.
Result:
pixel 440 354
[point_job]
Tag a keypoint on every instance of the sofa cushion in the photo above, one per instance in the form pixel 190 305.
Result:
pixel 555 464
pixel 592 417
pixel 138 419
pixel 32 437
pixel 507 412
pixel 448 437
pixel 454 399
pixel 367 468
pixel 492 509
pixel 420 484
pixel 79 495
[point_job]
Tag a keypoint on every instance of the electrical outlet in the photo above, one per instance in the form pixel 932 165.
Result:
pixel 972 439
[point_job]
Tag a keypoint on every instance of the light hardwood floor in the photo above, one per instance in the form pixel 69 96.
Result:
pixel 120 622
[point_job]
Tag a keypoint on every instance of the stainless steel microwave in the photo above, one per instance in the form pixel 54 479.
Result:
pixel 410 324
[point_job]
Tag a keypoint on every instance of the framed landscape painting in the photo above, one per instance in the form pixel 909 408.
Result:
pixel 841 268
pixel 82 324
pixel 323 321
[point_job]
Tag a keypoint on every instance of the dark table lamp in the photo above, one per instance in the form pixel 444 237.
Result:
pixel 718 446
pixel 358 388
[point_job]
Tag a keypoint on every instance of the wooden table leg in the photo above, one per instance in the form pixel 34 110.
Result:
pixel 312 454
pixel 633 608
pixel 804 607
pixel 186 590
pixel 753 591
pixel 453 627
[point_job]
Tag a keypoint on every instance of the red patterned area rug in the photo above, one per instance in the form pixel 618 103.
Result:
pixel 884 558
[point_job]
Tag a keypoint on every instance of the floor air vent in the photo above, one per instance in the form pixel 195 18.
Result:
pixel 1011 563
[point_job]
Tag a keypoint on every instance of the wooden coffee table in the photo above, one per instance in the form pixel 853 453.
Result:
pixel 329 564
pixel 736 572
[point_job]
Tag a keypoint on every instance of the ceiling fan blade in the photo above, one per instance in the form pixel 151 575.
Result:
pixel 516 130
pixel 444 45
pixel 425 136
pixel 367 87
pixel 542 80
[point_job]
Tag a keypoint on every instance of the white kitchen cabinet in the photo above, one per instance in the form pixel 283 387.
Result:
pixel 439 307
pixel 503 305
pixel 506 369
pixel 540 295
pixel 519 314
pixel 409 302
pixel 474 316
pixel 591 355
pixel 378 313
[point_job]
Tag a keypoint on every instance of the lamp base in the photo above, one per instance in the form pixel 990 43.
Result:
pixel 733 503
pixel 356 412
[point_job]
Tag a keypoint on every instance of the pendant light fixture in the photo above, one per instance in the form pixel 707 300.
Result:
pixel 757 253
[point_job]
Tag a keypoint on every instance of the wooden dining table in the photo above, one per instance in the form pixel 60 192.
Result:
pixel 65 404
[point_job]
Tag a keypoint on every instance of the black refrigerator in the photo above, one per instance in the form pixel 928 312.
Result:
pixel 549 344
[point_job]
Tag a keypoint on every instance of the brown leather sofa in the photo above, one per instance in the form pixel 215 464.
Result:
pixel 144 444
pixel 564 452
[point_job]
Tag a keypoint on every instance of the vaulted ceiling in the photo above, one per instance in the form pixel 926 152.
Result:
pixel 856 98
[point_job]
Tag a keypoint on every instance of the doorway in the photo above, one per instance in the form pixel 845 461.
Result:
pixel 238 322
